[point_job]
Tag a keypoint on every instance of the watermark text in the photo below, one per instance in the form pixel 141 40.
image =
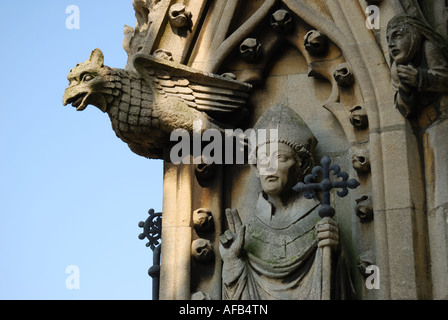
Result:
pixel 72 282
pixel 373 20
pixel 373 280
pixel 213 146
pixel 73 20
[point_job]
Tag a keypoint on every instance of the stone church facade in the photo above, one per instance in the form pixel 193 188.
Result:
pixel 369 79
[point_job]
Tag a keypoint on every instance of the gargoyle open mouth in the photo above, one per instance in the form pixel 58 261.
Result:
pixel 78 101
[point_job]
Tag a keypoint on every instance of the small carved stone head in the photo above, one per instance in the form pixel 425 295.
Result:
pixel 361 160
pixel 163 54
pixel 281 21
pixel 180 16
pixel 343 75
pixel 364 208
pixel 202 250
pixel 315 42
pixel 250 49
pixel 359 118
pixel 202 220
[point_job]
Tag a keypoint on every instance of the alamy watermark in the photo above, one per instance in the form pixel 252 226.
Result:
pixel 373 280
pixel 231 146
pixel 72 282
pixel 73 21
pixel 373 19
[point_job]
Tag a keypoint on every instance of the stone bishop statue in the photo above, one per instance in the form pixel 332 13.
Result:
pixel 278 254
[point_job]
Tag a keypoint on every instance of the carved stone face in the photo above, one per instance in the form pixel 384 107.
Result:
pixel 287 174
pixel 404 42
pixel 87 83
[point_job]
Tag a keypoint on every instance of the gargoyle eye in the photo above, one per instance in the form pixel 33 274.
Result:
pixel 87 77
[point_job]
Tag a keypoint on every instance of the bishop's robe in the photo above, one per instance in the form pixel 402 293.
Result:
pixel 281 259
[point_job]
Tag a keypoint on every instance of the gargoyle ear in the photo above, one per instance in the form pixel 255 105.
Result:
pixel 97 57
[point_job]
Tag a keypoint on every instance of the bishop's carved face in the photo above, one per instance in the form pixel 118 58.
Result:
pixel 288 170
pixel 404 42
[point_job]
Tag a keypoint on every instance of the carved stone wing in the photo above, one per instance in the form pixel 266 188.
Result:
pixel 213 94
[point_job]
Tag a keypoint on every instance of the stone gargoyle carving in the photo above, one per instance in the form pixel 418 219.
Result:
pixel 419 63
pixel 146 106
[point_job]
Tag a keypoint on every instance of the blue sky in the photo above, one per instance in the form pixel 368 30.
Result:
pixel 71 193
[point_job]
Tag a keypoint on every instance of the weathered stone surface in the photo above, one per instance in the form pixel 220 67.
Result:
pixel 375 99
pixel 173 106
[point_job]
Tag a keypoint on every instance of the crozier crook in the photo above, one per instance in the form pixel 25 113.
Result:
pixel 326 210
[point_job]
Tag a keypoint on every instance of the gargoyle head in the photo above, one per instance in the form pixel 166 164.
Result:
pixel 87 84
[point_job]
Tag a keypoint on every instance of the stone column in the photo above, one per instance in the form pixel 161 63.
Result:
pixel 436 176
pixel 176 232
